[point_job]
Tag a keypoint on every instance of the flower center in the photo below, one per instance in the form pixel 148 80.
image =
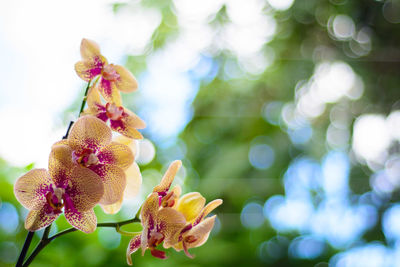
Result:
pixel 109 73
pixel 113 112
pixel 86 158
pixel 168 200
pixel 155 238
pixel 55 199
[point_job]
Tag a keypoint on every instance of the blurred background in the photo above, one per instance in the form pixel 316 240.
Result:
pixel 288 110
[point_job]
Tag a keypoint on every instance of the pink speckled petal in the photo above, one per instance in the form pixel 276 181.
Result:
pixel 128 124
pixel 148 216
pixel 133 246
pixel 85 221
pixel 126 82
pixel 87 70
pixel 94 102
pixel 92 61
pixel 133 184
pixel 200 232
pixel 114 182
pixel 170 222
pixel 38 218
pixel 120 127
pixel 31 188
pixel 60 164
pixel 109 91
pixel 168 177
pixel 116 154
pixel 85 188
pixel 133 120
pixel 89 132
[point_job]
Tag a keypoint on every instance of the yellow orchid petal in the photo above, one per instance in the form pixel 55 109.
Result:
pixel 133 181
pixel 61 142
pixel 133 120
pixel 113 208
pixel 114 182
pixel 94 101
pixel 190 205
pixel 38 218
pixel 87 70
pixel 89 132
pixel 85 188
pixel 128 124
pixel 170 223
pixel 126 82
pixel 89 49
pixel 128 142
pixel 126 130
pixel 133 246
pixel 116 154
pixel 30 189
pixel 168 177
pixel 198 235
pixel 85 221
pixel 207 209
pixel 60 163
pixel 149 208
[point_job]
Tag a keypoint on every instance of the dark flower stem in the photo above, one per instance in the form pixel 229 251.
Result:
pixel 25 248
pixel 46 240
pixel 29 237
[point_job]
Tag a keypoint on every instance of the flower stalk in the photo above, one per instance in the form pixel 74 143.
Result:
pixel 46 239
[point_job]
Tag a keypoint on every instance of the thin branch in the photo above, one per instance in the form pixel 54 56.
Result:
pixel 25 248
pixel 69 127
pixel 84 99
pixel 45 241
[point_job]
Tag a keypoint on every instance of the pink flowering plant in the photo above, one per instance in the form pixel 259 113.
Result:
pixel 89 167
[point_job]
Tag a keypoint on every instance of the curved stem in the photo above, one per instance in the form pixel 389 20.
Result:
pixel 84 99
pixel 46 240
pixel 125 233
pixel 115 225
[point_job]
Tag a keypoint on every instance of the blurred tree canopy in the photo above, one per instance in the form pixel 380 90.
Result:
pixel 293 124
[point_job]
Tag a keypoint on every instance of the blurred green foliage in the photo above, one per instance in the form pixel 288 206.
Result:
pixel 228 116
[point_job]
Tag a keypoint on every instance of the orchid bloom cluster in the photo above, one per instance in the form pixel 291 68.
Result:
pixel 91 168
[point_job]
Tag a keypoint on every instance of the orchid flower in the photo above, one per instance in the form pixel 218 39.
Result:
pixel 121 119
pixel 133 178
pixel 113 78
pixel 91 146
pixel 168 198
pixel 196 232
pixel 66 186
pixel 159 225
